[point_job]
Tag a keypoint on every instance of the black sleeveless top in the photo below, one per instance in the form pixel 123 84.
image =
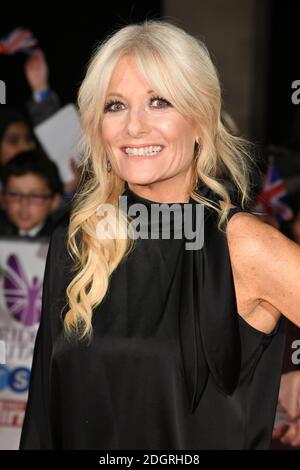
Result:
pixel 171 364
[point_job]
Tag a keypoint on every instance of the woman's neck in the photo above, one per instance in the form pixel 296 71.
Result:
pixel 162 192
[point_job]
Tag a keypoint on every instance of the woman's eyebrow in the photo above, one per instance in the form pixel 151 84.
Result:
pixel 122 96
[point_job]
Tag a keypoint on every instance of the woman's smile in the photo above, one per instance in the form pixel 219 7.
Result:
pixel 142 151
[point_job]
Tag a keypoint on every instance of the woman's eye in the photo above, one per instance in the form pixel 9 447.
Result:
pixel 113 106
pixel 158 102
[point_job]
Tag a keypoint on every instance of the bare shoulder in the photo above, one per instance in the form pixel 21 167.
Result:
pixel 251 231
pixel 266 266
pixel 254 245
pixel 248 236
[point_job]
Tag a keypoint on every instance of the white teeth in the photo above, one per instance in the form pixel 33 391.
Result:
pixel 143 151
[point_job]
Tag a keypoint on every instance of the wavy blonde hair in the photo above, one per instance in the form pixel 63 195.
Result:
pixel 179 68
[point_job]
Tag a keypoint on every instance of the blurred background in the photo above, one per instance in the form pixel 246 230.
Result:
pixel 254 44
pixel 44 52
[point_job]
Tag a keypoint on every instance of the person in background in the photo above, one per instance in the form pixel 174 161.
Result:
pixel 45 102
pixel 289 392
pixel 15 134
pixel 15 129
pixel 31 193
pixel 289 402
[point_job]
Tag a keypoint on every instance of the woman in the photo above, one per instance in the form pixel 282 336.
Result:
pixel 160 346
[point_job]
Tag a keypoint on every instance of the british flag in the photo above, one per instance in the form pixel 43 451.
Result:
pixel 18 40
pixel 272 201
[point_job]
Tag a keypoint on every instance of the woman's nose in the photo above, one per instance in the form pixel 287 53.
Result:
pixel 138 122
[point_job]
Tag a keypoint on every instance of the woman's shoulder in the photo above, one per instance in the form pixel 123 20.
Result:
pixel 249 228
pixel 250 238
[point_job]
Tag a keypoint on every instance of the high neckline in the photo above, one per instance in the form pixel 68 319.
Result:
pixel 133 197
pixel 158 222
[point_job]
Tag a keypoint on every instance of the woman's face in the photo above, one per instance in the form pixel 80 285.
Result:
pixel 17 138
pixel 148 141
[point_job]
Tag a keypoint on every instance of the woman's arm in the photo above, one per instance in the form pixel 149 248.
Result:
pixel 269 264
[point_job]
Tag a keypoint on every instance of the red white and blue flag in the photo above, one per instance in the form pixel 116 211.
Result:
pixel 18 40
pixel 272 201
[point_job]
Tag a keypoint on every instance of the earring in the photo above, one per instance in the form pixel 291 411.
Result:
pixel 198 149
pixel 108 166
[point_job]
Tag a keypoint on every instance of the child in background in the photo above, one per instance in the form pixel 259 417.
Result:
pixel 15 134
pixel 31 195
pixel 16 129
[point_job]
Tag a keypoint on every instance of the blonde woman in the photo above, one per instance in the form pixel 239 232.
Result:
pixel 147 343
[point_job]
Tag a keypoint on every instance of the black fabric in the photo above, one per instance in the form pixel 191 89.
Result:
pixel 171 364
pixel 39 111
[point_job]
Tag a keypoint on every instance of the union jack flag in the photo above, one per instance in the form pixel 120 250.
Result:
pixel 272 201
pixel 18 40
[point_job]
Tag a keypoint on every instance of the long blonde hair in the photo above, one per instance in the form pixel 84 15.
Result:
pixel 179 68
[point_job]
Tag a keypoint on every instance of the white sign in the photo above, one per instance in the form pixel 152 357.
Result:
pixel 60 137
pixel 2 92
pixel 22 266
pixel 2 352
